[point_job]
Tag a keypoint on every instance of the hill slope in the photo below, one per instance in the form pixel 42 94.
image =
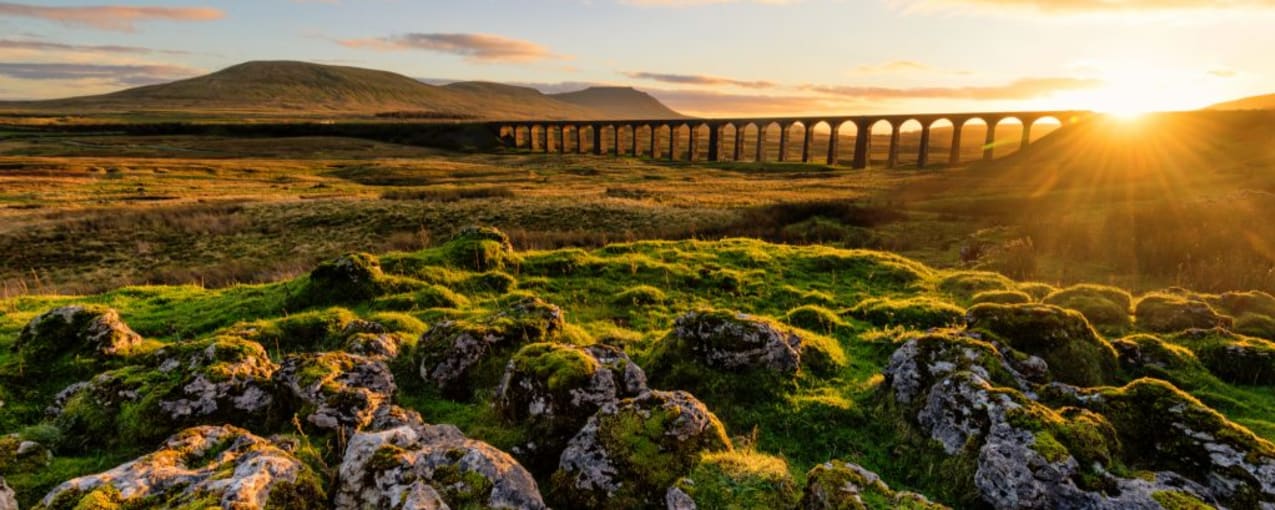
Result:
pixel 1265 102
pixel 619 102
pixel 306 88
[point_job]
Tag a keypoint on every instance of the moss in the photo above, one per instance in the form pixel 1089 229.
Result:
pixel 310 331
pixel 399 323
pixel 1037 290
pixel 561 367
pixel 838 485
pixel 1106 308
pixel 556 263
pixel 814 318
pixel 641 295
pixel 1063 338
pixel 1004 297
pixel 1240 303
pixel 1231 357
pixel 1180 500
pixel 916 312
pixel 740 480
pixel 1252 324
pixel 1144 355
pixel 1167 313
pixel 52 337
pixel 963 285
pixel 432 296
pixel 479 249
pixel 491 282
pixel 351 278
pixel 1050 448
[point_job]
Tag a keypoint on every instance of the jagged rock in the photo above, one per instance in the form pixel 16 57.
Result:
pixel 413 465
pixel 452 349
pixel 76 329
pixel 222 466
pixel 1063 338
pixel 1163 428
pixel 183 384
pixel 8 500
pixel 553 389
pixel 1164 313
pixel 1027 456
pixel 736 341
pixel 628 454
pixel 344 390
pixel 838 485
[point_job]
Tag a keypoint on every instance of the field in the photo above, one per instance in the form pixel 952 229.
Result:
pixel 1093 304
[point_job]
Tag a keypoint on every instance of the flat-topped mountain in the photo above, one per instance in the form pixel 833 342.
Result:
pixel 281 87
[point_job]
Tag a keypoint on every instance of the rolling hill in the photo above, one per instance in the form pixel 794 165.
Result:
pixel 285 87
pixel 1266 102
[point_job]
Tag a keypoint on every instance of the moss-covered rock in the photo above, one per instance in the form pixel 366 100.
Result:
pixel 1063 338
pixel 1147 355
pixel 1168 313
pixel 410 464
pixel 914 312
pixel 1037 290
pixel 75 330
pixel 963 285
pixel 480 249
pixel 459 356
pixel 201 467
pixel 1163 429
pixel 429 296
pixel 1004 297
pixel 309 331
pixel 1252 324
pixel 1106 308
pixel 837 485
pixel 223 379
pixel 335 390
pixel 743 480
pixel 1236 304
pixel 1231 357
pixel 814 318
pixel 641 295
pixel 629 454
pixel 553 389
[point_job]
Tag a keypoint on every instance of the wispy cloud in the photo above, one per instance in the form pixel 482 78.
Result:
pixel 691 3
pixel 109 17
pixel 893 66
pixel 12 44
pixel 699 79
pixel 121 74
pixel 1088 6
pixel 474 47
pixel 1025 88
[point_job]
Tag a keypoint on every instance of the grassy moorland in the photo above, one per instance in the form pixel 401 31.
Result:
pixel 852 309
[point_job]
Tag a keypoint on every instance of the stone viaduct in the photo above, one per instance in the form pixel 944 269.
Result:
pixel 540 136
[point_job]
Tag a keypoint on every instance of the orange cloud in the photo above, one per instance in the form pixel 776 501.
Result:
pixel 109 17
pixel 475 47
pixel 1025 88
pixel 699 79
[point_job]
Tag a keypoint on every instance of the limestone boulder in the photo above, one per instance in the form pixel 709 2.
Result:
pixel 342 390
pixel 453 352
pixel 74 330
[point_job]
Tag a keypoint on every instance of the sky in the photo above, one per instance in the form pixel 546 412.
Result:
pixel 702 57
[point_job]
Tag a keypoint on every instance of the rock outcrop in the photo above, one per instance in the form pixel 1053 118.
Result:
pixel 8 500
pixel 412 465
pixel 79 330
pixel 451 350
pixel 838 485
pixel 1076 354
pixel 1167 313
pixel 222 466
pixel 342 390
pixel 630 453
pixel 553 389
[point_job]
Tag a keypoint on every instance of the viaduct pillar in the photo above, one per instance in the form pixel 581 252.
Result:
pixel 923 155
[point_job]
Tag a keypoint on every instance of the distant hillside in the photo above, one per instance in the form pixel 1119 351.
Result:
pixel 619 102
pixel 283 87
pixel 1266 102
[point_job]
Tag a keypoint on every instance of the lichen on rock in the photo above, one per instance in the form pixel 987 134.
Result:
pixel 838 485
pixel 74 330
pixel 335 390
pixel 204 466
pixel 630 453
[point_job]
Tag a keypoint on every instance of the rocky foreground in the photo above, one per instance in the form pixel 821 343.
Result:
pixel 733 374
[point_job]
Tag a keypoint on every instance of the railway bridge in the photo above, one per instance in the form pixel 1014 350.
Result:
pixel 556 135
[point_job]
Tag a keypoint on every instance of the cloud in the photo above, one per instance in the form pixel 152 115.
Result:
pixel 1025 88
pixel 11 44
pixel 120 74
pixel 109 17
pixel 474 47
pixel 895 66
pixel 1223 73
pixel 692 3
pixel 699 79
pixel 1091 6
